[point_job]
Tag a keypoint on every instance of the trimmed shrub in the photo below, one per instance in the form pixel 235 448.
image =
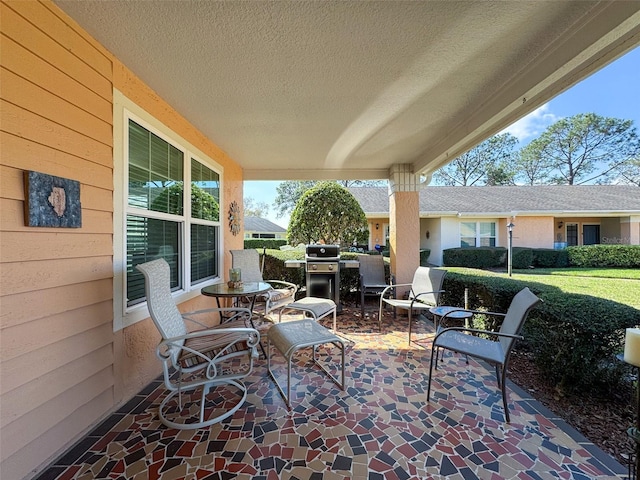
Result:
pixel 573 338
pixel 550 258
pixel 521 257
pixel 274 266
pixel 271 243
pixel 616 256
pixel 424 257
pixel 472 257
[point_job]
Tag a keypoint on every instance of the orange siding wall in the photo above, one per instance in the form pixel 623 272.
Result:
pixel 62 368
pixel 56 284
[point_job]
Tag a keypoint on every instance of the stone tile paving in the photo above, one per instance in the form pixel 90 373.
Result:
pixel 380 427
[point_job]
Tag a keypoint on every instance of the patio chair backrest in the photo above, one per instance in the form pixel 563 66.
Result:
pixel 372 269
pixel 248 261
pixel 516 315
pixel 162 306
pixel 427 279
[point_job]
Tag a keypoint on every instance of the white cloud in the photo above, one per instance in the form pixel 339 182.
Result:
pixel 533 124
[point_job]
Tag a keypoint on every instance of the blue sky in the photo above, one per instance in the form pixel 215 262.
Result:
pixel 614 91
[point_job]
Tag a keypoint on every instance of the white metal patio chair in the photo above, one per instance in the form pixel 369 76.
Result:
pixel 283 293
pixel 496 349
pixel 424 293
pixel 211 358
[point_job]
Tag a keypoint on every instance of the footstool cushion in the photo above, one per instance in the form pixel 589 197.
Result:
pixel 317 308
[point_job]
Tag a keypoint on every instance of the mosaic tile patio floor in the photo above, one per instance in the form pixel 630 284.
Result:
pixel 380 427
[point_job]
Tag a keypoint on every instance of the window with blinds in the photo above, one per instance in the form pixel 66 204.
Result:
pixel 173 212
pixel 477 234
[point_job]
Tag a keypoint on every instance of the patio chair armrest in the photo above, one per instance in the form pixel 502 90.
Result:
pixel 170 348
pixel 284 283
pixel 417 296
pixel 477 330
pixel 392 286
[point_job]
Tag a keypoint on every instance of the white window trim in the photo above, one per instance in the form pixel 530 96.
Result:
pixel 123 110
pixel 478 237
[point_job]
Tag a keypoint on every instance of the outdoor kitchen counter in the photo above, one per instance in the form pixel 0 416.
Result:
pixel 301 263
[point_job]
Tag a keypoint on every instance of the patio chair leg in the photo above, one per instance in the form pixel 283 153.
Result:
pixel 503 387
pixel 433 350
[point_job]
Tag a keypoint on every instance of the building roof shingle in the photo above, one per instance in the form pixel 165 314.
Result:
pixel 257 224
pixel 502 200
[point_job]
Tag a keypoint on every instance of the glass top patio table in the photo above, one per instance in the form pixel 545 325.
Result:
pixel 248 289
pixel 451 312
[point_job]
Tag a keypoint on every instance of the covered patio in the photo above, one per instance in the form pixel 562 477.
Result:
pixel 379 427
pixel 127 100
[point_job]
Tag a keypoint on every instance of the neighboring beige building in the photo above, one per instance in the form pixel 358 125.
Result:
pixel 549 216
pixel 256 227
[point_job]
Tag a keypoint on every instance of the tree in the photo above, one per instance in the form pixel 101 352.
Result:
pixel 362 183
pixel 626 173
pixel 533 168
pixel 255 209
pixel 327 213
pixel 583 148
pixel 289 192
pixel 490 163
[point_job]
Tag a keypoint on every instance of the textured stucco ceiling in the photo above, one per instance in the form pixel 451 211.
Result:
pixel 345 89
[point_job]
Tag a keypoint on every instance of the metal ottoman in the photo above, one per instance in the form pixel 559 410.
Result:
pixel 289 337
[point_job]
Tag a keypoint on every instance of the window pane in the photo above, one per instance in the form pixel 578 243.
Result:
pixel 205 192
pixel 487 234
pixel 572 235
pixel 155 172
pixel 148 239
pixel 204 258
pixel 159 156
pixel 468 241
pixel 138 145
pixel 487 229
pixel 468 229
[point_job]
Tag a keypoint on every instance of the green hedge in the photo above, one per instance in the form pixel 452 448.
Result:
pixel 521 257
pixel 270 243
pixel 573 337
pixel 424 257
pixel 550 258
pixel 475 257
pixel 495 257
pixel 617 256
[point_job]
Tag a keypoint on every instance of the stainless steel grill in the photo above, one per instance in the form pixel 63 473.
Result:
pixel 322 266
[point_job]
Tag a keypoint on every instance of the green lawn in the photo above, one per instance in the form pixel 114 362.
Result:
pixel 627 273
pixel 619 285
